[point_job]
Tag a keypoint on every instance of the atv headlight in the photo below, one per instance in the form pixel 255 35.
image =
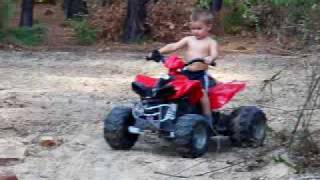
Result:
pixel 138 109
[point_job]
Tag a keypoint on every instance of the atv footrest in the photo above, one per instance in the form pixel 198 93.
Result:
pixel 134 130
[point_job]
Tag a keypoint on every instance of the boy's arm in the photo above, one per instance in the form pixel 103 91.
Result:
pixel 213 53
pixel 174 46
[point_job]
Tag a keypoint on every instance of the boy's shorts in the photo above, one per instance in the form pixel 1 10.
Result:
pixel 198 75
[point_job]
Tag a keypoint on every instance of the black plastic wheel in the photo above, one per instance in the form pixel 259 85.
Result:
pixel 116 126
pixel 248 126
pixel 191 135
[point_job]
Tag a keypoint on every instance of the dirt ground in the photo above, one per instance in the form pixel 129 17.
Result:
pixel 66 95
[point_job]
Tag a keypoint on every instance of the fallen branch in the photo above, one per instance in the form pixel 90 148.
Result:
pixel 269 107
pixel 235 164
pixel 200 174
pixel 215 170
pixel 268 82
pixel 286 110
pixel 171 175
pixel 177 174
pixel 288 52
pixel 309 178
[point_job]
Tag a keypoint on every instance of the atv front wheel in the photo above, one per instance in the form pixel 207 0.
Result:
pixel 116 131
pixel 248 126
pixel 191 135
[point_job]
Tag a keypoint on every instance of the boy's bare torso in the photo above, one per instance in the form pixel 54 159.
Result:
pixel 198 48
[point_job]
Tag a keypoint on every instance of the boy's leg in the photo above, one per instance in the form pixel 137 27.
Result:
pixel 205 103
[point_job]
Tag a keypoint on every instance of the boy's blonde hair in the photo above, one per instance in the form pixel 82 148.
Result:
pixel 202 15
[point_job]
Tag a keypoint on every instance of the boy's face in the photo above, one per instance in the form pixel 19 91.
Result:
pixel 199 29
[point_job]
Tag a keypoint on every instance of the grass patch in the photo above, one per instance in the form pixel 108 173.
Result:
pixel 24 36
pixel 28 36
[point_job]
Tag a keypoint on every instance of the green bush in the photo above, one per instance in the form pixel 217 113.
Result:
pixel 27 36
pixel 6 12
pixel 18 35
pixel 238 16
pixel 85 34
pixel 298 19
pixel 205 4
pixel 2 35
pixel 292 18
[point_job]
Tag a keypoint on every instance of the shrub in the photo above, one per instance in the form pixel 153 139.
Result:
pixel 2 35
pixel 27 36
pixel 85 34
pixel 6 12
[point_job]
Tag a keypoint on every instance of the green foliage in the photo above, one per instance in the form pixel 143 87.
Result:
pixel 2 35
pixel 293 2
pixel 24 35
pixel 300 17
pixel 29 36
pixel 19 35
pixel 238 16
pixel 205 4
pixel 6 12
pixel 85 34
pixel 229 2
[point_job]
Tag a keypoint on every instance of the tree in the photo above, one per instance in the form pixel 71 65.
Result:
pixel 73 8
pixel 106 2
pixel 216 6
pixel 134 27
pixel 26 19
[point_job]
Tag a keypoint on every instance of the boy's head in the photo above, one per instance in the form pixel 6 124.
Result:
pixel 200 23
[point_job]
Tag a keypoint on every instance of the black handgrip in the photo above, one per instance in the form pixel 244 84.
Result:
pixel 155 56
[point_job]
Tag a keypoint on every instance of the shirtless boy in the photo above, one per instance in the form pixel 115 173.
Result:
pixel 198 45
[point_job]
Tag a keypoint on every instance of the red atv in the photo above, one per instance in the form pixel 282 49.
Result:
pixel 171 107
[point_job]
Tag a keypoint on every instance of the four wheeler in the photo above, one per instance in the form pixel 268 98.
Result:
pixel 170 106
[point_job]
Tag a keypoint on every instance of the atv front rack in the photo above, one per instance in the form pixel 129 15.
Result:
pixel 150 117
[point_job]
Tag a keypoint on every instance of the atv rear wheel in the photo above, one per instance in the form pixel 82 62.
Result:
pixel 248 126
pixel 116 126
pixel 191 135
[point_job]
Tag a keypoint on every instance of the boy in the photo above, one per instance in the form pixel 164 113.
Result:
pixel 199 45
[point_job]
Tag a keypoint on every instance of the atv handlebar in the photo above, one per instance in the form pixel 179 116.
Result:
pixel 155 56
pixel 158 57
pixel 200 60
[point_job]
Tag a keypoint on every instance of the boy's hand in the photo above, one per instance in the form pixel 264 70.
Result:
pixel 210 61
pixel 155 55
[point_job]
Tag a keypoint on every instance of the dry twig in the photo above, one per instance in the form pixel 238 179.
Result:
pixel 268 82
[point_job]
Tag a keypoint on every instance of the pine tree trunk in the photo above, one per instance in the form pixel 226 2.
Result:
pixel 26 19
pixel 106 2
pixel 216 6
pixel 134 27
pixel 74 8
pixel 69 10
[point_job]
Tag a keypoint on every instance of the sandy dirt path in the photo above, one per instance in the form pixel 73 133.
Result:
pixel 66 95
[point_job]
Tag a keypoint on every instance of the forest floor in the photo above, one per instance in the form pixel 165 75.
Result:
pixel 66 95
